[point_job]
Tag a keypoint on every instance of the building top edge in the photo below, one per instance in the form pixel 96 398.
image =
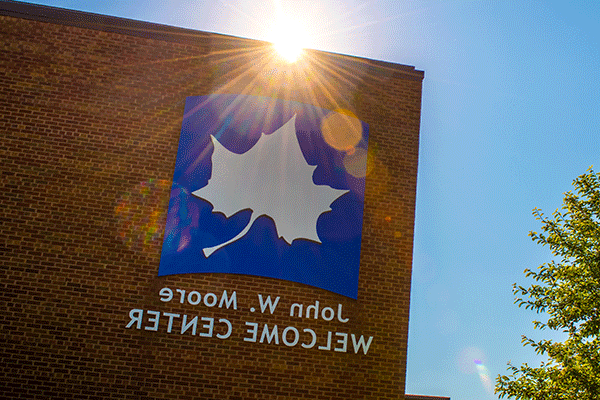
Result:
pixel 151 30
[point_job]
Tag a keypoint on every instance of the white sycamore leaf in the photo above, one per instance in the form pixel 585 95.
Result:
pixel 273 179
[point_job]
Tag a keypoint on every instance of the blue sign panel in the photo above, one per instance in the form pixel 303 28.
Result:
pixel 270 188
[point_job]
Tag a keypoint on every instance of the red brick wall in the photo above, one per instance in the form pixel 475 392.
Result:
pixel 90 116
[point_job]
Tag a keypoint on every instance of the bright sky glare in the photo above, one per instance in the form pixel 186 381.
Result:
pixel 510 116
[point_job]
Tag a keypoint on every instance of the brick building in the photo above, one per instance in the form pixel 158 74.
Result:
pixel 91 113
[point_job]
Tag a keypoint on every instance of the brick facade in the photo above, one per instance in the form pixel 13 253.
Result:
pixel 91 109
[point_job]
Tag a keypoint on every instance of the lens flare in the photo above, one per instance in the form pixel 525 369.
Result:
pixel 484 375
pixel 466 359
pixel 183 217
pixel 342 130
pixel 141 214
pixel 472 360
pixel 357 163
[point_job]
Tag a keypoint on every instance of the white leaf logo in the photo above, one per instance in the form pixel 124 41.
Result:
pixel 273 179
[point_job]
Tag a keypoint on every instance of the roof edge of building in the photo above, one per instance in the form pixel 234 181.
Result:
pixel 151 30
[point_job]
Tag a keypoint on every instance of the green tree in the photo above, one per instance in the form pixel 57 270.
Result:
pixel 567 290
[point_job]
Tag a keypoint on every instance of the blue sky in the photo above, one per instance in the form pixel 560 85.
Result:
pixel 510 116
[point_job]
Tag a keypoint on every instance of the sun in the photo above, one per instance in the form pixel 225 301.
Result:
pixel 288 50
pixel 289 38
